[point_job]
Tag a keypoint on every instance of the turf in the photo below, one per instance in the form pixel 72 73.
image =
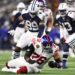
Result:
pixel 5 56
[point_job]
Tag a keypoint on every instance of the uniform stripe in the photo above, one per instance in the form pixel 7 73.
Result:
pixel 73 41
pixel 33 5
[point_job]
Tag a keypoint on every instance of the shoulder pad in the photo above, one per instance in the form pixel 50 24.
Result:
pixel 36 42
pixel 41 14
pixel 58 16
pixel 24 11
pixel 71 15
pixel 15 12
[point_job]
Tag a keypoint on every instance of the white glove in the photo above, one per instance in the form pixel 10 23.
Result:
pixel 11 32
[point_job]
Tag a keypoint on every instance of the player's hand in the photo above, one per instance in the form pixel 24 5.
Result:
pixel 11 32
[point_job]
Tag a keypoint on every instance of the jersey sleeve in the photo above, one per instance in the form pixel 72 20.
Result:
pixel 24 16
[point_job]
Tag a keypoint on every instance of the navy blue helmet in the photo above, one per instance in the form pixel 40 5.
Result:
pixel 46 40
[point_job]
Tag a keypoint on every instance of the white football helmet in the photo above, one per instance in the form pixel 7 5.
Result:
pixel 33 7
pixel 20 6
pixel 63 7
pixel 70 3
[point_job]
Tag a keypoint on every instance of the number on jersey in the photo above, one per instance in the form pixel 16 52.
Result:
pixel 32 25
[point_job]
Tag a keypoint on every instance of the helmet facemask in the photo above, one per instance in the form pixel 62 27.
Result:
pixel 34 8
pixel 63 7
pixel 63 12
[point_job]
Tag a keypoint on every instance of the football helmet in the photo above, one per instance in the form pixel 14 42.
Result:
pixel 63 7
pixel 20 6
pixel 47 41
pixel 33 7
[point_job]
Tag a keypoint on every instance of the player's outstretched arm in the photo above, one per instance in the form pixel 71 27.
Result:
pixel 57 63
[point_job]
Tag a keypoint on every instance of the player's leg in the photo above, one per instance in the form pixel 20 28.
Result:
pixel 18 62
pixel 28 69
pixel 65 54
pixel 13 70
pixel 17 35
pixel 23 42
pixel 71 42
pixel 22 70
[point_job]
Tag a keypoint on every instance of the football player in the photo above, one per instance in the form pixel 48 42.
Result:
pixel 68 22
pixel 44 49
pixel 18 29
pixel 35 23
pixel 48 16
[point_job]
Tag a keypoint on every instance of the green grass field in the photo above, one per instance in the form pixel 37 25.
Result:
pixel 5 56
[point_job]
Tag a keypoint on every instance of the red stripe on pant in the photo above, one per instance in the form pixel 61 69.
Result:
pixel 7 65
pixel 22 70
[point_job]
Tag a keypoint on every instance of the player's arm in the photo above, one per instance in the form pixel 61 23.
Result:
pixel 58 60
pixel 28 53
pixel 41 28
pixel 20 18
pixel 50 24
pixel 57 63
pixel 13 18
pixel 50 21
pixel 41 24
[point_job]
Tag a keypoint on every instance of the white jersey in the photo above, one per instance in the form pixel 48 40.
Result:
pixel 48 13
pixel 42 54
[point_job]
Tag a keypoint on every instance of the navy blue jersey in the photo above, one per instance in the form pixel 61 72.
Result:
pixel 21 24
pixel 54 33
pixel 67 22
pixel 32 23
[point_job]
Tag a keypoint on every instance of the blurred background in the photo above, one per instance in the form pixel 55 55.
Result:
pixel 6 8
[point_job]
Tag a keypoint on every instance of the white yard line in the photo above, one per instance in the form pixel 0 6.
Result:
pixel 58 69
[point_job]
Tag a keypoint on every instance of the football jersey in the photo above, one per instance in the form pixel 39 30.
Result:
pixel 68 23
pixel 33 22
pixel 42 54
pixel 48 13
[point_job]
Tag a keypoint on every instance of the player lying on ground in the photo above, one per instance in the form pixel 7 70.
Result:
pixel 44 49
